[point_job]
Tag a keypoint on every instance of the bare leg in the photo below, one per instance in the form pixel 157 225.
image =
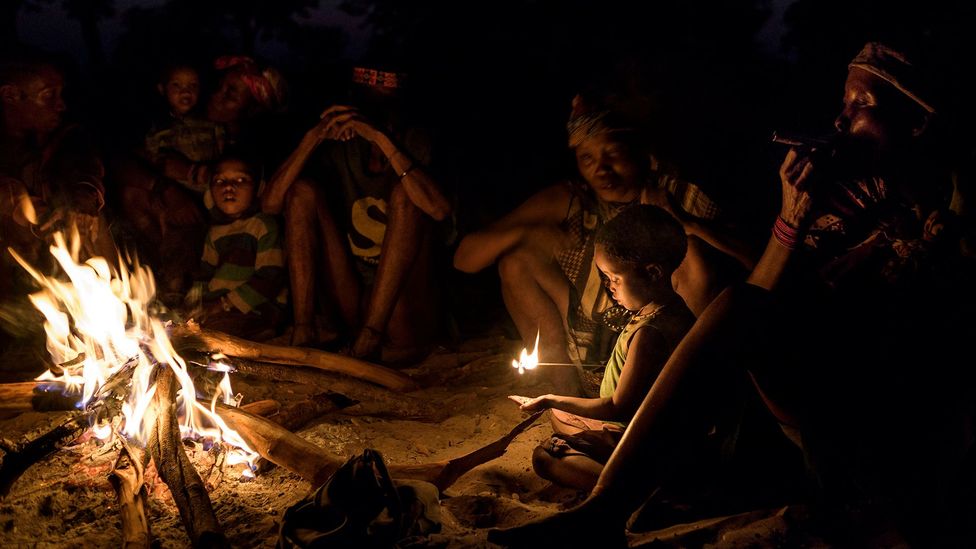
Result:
pixel 536 294
pixel 656 436
pixel 407 234
pixel 575 471
pixel 308 222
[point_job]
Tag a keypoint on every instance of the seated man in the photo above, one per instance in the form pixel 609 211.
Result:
pixel 375 171
pixel 50 173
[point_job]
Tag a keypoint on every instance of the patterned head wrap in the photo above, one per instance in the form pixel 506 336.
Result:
pixel 378 79
pixel 585 122
pixel 267 86
pixel 892 66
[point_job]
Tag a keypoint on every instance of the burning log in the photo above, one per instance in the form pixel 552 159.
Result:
pixel 47 434
pixel 127 478
pixel 17 398
pixel 280 446
pixel 192 335
pixel 316 465
pixel 166 448
pixel 372 400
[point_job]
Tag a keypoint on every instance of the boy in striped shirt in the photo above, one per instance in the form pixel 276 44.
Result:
pixel 242 275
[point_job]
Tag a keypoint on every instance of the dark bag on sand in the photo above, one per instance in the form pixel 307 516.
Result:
pixel 361 506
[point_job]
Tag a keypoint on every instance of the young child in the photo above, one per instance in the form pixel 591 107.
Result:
pixel 242 276
pixel 197 140
pixel 637 251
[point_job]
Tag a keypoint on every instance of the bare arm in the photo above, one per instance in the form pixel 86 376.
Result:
pixel 344 122
pixel 482 248
pixel 731 246
pixel 645 359
pixel 795 175
pixel 273 198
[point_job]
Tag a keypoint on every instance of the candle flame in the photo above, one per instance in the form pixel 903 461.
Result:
pixel 527 360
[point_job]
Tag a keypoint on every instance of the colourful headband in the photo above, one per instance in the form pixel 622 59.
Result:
pixel 585 123
pixel 377 79
pixel 267 86
pixel 893 67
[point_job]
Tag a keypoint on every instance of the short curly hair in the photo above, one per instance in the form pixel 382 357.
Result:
pixel 642 234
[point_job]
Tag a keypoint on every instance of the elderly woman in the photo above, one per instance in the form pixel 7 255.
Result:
pixel 847 328
pixel 544 248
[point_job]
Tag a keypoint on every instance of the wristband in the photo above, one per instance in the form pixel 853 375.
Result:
pixel 786 234
pixel 406 171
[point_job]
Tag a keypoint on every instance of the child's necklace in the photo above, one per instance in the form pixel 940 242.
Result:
pixel 641 315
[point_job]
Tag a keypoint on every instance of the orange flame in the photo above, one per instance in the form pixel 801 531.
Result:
pixel 527 360
pixel 98 324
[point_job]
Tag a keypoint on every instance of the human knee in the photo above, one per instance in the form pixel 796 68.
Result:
pixel 515 266
pixel 302 196
pixel 542 462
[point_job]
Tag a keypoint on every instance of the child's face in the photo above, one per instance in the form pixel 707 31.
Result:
pixel 181 89
pixel 232 188
pixel 630 286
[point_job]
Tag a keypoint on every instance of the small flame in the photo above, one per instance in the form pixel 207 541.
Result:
pixel 99 329
pixel 27 208
pixel 102 430
pixel 527 360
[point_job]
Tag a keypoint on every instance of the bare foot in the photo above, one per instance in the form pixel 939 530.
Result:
pixel 367 344
pixel 303 335
pixel 591 524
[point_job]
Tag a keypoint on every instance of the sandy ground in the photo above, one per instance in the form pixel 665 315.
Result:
pixel 65 500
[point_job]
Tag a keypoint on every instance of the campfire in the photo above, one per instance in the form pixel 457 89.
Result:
pixel 118 366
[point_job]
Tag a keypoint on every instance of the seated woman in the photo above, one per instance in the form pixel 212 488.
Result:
pixel 637 251
pixel 544 248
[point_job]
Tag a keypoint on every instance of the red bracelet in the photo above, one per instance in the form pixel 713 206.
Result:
pixel 786 234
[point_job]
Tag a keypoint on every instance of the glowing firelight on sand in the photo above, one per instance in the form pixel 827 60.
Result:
pixel 527 360
pixel 99 329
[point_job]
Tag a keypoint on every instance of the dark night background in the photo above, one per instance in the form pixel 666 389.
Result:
pixel 495 79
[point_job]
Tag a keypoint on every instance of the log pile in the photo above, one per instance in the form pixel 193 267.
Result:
pixel 345 384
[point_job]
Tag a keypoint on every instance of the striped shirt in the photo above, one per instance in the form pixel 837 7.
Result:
pixel 243 260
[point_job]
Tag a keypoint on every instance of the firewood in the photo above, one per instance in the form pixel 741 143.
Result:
pixel 263 408
pixel 316 465
pixel 128 481
pixel 372 400
pixel 209 340
pixel 174 467
pixel 443 474
pixel 38 396
pixel 42 435
pixel 280 446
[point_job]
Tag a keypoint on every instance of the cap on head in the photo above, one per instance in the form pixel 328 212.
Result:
pixel 892 66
